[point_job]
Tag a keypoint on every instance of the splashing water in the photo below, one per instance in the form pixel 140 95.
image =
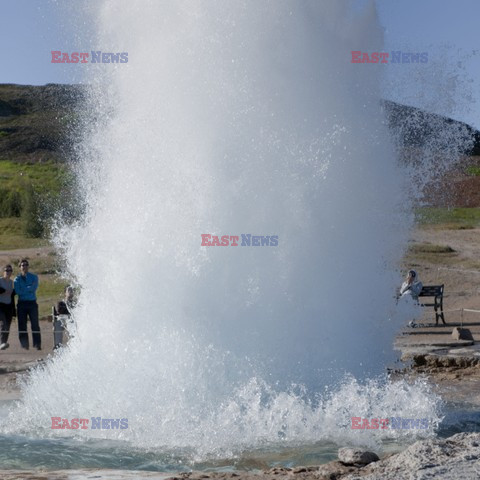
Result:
pixel 232 118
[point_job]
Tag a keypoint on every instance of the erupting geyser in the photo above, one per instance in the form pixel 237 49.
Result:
pixel 229 118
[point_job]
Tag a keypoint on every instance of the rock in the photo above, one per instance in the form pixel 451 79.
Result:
pixel 331 470
pixel 462 334
pixel 454 458
pixel 305 469
pixel 352 456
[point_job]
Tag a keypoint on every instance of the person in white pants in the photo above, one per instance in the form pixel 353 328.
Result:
pixel 61 315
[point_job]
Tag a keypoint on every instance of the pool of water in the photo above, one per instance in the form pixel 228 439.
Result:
pixel 25 452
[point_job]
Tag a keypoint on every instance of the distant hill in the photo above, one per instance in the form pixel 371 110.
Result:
pixel 417 127
pixel 35 122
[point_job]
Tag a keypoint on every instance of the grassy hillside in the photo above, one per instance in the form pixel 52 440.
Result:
pixel 12 235
pixel 449 218
pixel 36 121
pixel 36 124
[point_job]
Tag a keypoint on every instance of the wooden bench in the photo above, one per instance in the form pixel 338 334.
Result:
pixel 435 291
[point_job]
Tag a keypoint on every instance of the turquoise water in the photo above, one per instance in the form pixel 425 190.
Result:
pixel 17 452
pixel 22 452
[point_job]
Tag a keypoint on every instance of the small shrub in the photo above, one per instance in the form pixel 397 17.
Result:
pixel 14 203
pixel 32 214
pixel 473 170
pixel 10 203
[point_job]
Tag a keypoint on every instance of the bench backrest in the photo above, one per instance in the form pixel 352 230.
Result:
pixel 432 291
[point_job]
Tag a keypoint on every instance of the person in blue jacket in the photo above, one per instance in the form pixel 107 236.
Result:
pixel 25 286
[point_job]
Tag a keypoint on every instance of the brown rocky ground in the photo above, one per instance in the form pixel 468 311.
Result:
pixel 450 256
pixel 15 361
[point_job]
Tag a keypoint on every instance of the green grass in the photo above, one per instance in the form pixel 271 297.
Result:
pixel 455 218
pixel 430 248
pixel 12 235
pixel 46 177
pixel 472 170
pixel 50 291
pixel 420 253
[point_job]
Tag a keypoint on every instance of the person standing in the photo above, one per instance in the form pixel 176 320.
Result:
pixel 61 314
pixel 7 305
pixel 26 285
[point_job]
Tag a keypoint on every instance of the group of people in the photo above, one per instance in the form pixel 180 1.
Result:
pixel 25 288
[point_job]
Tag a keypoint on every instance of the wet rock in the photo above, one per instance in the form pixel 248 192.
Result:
pixel 356 456
pixel 433 362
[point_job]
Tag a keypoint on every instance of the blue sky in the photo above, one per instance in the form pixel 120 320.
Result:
pixel 446 29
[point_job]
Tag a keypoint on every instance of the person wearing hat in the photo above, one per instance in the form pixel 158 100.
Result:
pixel 26 285
pixel 411 286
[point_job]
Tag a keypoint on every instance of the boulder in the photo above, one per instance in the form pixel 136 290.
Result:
pixel 356 456
pixel 462 334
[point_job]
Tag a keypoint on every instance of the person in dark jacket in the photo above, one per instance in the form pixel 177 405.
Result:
pixel 7 305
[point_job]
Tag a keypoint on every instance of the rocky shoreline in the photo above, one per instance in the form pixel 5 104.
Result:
pixel 451 365
pixel 454 458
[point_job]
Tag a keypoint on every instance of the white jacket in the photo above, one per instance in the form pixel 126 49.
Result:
pixel 413 289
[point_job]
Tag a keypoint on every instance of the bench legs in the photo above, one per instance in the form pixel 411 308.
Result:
pixel 439 314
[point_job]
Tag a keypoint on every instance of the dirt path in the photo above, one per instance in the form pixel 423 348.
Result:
pixel 7 255
pixel 15 361
pixel 458 270
pixel 454 369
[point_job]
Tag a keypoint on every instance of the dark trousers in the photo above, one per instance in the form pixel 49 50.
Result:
pixel 5 322
pixel 28 309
